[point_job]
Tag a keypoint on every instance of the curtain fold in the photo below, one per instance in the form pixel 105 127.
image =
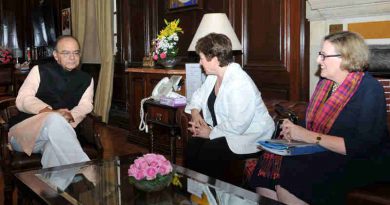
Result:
pixel 79 19
pixel 104 30
pixel 105 38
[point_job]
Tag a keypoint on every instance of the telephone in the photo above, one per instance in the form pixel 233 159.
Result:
pixel 165 87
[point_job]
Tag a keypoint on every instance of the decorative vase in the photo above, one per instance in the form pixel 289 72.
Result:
pixel 157 184
pixel 168 62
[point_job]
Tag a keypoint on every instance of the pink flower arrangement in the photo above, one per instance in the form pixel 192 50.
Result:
pixel 150 167
pixel 5 56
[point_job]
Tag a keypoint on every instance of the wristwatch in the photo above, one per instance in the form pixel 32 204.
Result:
pixel 318 138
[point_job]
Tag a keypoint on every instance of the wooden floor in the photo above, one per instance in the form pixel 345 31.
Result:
pixel 115 143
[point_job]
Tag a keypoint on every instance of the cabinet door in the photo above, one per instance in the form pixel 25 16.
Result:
pixel 137 82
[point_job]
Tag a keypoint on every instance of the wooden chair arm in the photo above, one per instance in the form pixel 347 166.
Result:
pixel 97 118
pixel 89 132
pixel 182 120
pixel 4 150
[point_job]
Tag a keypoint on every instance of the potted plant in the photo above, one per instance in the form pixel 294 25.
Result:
pixel 151 172
pixel 165 45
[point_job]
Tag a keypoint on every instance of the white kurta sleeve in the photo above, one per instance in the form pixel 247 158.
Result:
pixel 26 100
pixel 84 106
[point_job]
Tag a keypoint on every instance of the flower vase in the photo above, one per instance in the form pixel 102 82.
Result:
pixel 155 185
pixel 168 62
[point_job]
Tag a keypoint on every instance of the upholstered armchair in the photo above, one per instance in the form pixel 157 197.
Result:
pixel 12 161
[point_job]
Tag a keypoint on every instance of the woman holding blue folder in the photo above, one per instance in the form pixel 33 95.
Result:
pixel 347 116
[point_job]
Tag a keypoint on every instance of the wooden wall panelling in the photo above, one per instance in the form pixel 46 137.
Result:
pixel 272 46
pixel 304 55
pixel 123 28
pixel 189 21
pixel 235 15
pixel 264 46
pixel 298 73
pixel 22 10
pixel 136 23
pixel 137 90
pixel 138 15
pixel 137 26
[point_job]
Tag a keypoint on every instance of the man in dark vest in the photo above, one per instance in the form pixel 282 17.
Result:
pixel 53 99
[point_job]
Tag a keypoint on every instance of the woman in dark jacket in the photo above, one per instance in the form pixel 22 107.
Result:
pixel 347 116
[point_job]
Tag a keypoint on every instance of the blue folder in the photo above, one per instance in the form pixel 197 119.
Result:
pixel 285 148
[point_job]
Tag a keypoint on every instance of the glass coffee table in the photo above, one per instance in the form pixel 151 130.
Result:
pixel 107 182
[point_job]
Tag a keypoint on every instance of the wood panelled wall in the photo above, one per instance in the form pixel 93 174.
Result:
pixel 274 35
pixel 22 10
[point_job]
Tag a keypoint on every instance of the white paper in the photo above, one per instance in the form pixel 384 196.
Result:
pixel 230 199
pixel 194 187
pixel 198 189
pixel 194 79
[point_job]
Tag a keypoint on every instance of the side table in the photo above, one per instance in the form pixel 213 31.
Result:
pixel 162 115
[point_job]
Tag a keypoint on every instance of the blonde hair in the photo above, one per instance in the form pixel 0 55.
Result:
pixel 352 48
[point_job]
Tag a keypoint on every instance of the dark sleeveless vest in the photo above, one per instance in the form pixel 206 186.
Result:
pixel 58 88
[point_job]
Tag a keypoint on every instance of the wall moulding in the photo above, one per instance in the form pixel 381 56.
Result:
pixel 336 9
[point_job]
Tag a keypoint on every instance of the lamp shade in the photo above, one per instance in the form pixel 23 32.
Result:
pixel 215 23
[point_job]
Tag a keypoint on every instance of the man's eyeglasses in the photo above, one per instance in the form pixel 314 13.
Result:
pixel 323 56
pixel 67 54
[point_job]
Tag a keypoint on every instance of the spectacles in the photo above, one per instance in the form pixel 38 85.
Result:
pixel 323 56
pixel 67 54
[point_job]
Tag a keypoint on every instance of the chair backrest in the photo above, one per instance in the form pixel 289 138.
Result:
pixel 282 109
pixel 7 110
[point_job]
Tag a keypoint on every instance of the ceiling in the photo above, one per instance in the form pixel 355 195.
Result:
pixel 317 10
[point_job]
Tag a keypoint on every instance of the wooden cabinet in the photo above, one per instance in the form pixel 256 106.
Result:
pixel 140 83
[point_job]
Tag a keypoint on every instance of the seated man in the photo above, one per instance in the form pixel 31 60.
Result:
pixel 54 99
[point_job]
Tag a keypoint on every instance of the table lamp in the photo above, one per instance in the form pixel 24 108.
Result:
pixel 17 52
pixel 216 23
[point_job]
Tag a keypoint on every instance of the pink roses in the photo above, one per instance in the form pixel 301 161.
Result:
pixel 5 56
pixel 149 167
pixel 162 56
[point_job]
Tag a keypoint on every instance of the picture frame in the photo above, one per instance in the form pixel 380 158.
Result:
pixel 180 5
pixel 66 21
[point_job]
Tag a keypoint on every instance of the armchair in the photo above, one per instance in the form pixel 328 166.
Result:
pixel 12 161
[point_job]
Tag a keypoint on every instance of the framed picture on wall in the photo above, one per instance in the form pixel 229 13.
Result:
pixel 65 21
pixel 179 5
